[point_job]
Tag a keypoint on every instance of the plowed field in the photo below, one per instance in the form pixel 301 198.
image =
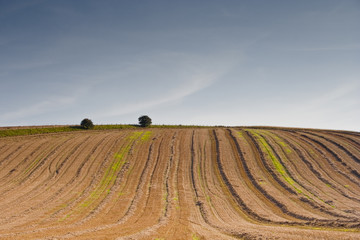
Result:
pixel 200 183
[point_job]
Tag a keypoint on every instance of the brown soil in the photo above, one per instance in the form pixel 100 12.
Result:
pixel 215 183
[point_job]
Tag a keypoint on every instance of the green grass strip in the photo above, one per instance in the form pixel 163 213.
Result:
pixel 280 141
pixel 10 132
pixel 146 136
pixel 278 166
pixel 41 130
pixel 32 131
pixel 110 175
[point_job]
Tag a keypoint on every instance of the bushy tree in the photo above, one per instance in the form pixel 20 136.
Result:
pixel 87 123
pixel 144 121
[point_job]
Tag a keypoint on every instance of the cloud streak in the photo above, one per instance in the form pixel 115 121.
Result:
pixel 174 76
pixel 54 103
pixel 193 84
pixel 348 47
pixel 38 108
pixel 338 93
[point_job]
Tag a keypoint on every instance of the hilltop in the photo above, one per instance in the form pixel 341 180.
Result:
pixel 180 182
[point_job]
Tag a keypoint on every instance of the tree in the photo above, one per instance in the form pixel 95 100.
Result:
pixel 87 123
pixel 144 121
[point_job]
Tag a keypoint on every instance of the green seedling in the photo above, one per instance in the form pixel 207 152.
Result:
pixel 109 178
pixel 195 237
pixel 146 136
pixel 278 166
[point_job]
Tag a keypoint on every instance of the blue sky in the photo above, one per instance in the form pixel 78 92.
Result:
pixel 275 63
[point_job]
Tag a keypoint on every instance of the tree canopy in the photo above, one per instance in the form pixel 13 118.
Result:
pixel 144 121
pixel 87 123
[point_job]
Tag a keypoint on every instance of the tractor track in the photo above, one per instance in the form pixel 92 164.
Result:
pixel 314 205
pixel 191 183
pixel 319 175
pixel 352 156
pixel 353 172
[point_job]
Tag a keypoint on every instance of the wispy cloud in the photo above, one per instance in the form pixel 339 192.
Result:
pixel 348 47
pixel 338 93
pixel 173 76
pixel 49 104
pixel 193 84
pixel 20 66
pixel 37 108
pixel 325 109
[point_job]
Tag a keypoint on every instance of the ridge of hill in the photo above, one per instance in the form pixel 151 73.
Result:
pixel 180 182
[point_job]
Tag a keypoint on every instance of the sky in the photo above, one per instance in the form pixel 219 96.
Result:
pixel 235 63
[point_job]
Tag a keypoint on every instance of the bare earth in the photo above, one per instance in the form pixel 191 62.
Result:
pixel 214 183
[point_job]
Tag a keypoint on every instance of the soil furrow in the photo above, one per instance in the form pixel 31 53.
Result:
pixel 17 166
pixel 140 184
pixel 312 206
pixel 231 189
pixel 336 157
pixel 318 175
pixel 201 205
pixel 267 166
pixel 306 199
pixel 42 191
pixel 328 166
pixel 66 191
pixel 355 143
pixel 352 156
pixel 271 201
pixel 100 182
pixel 24 184
pixel 191 183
